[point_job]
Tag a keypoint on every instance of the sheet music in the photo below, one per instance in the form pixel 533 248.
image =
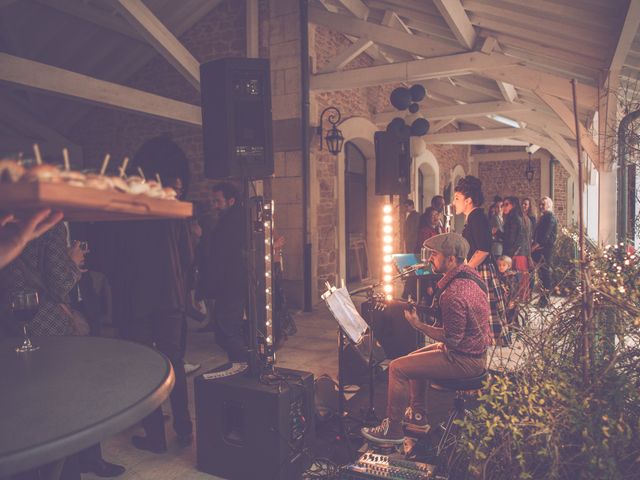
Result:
pixel 346 314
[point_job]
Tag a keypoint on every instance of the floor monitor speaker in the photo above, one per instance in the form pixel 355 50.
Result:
pixel 393 163
pixel 251 428
pixel 236 118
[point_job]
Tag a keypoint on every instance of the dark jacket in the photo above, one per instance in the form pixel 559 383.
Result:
pixel 515 240
pixel 222 262
pixel 155 260
pixel 546 231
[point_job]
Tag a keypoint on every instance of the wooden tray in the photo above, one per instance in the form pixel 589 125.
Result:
pixel 88 204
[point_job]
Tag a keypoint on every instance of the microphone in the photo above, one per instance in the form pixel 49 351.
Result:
pixel 416 266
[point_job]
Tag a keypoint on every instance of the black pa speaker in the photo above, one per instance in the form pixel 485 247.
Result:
pixel 236 118
pixel 393 163
pixel 250 427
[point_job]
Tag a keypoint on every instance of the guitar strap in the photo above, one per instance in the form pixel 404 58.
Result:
pixel 464 275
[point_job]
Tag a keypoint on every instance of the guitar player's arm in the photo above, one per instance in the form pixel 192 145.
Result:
pixel 436 333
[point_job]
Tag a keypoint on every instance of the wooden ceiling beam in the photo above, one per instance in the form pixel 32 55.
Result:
pixel 379 34
pixel 468 110
pixel 347 55
pixel 454 14
pixel 532 79
pixel 357 8
pixel 627 34
pixel 566 116
pixel 39 76
pixel 412 71
pixel 161 38
pixel 471 136
pixel 392 20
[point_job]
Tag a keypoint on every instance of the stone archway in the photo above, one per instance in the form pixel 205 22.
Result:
pixel 426 179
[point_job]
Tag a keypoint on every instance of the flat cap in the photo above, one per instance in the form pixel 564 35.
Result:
pixel 450 244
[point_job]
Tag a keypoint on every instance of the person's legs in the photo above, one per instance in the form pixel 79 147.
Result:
pixel 228 327
pixel 141 330
pixel 545 275
pixel 521 264
pixel 168 330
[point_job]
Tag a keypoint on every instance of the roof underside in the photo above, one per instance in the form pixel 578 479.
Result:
pixel 499 69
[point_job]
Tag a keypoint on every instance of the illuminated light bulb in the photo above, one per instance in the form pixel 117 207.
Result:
pixel 387 269
pixel 268 307
pixel 267 257
pixel 387 219
pixel 268 323
pixel 266 241
pixel 386 278
pixel 389 298
pixel 266 224
pixel 387 229
pixel 267 274
pixel 387 248
pixel 387 239
pixel 269 340
pixel 267 290
pixel 387 208
pixel 388 288
pixel 387 259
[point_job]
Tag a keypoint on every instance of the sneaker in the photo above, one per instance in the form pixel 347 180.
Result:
pixel 415 421
pixel 384 434
pixel 191 367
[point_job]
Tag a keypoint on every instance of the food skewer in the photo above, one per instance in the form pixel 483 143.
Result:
pixel 105 163
pixel 123 167
pixel 65 156
pixel 36 151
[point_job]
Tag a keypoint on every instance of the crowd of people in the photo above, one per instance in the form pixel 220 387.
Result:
pixel 509 233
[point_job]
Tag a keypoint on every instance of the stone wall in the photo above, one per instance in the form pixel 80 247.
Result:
pixel 561 195
pixel 506 177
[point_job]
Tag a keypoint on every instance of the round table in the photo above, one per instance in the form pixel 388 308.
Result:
pixel 71 393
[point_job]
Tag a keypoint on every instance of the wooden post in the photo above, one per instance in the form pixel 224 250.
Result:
pixel 586 317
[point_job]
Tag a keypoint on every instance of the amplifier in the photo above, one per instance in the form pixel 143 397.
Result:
pixel 372 465
pixel 249 427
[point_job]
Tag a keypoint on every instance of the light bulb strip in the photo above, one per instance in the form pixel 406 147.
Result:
pixel 268 278
pixel 387 250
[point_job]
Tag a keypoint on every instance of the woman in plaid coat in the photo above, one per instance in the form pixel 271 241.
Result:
pixel 468 199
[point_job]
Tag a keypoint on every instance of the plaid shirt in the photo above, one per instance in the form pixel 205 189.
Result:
pixel 47 257
pixel 465 313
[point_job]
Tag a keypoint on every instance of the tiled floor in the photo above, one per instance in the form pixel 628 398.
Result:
pixel 312 349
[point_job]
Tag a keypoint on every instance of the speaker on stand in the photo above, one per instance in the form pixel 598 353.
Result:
pixel 393 163
pixel 236 118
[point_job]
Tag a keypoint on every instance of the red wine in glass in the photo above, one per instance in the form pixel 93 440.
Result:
pixel 24 306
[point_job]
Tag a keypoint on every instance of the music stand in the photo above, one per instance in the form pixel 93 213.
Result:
pixel 351 328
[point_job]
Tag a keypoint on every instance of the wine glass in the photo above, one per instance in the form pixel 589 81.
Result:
pixel 24 306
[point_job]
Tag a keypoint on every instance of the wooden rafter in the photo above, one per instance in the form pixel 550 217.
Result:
pixel 379 34
pixel 533 79
pixel 412 71
pixel 357 8
pixel 471 136
pixel 454 14
pixel 40 76
pixel 161 38
pixel 343 58
pixel 566 116
pixel 460 111
pixel 392 20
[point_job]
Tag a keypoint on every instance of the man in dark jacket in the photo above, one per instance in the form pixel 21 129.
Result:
pixel 223 272
pixel 544 239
